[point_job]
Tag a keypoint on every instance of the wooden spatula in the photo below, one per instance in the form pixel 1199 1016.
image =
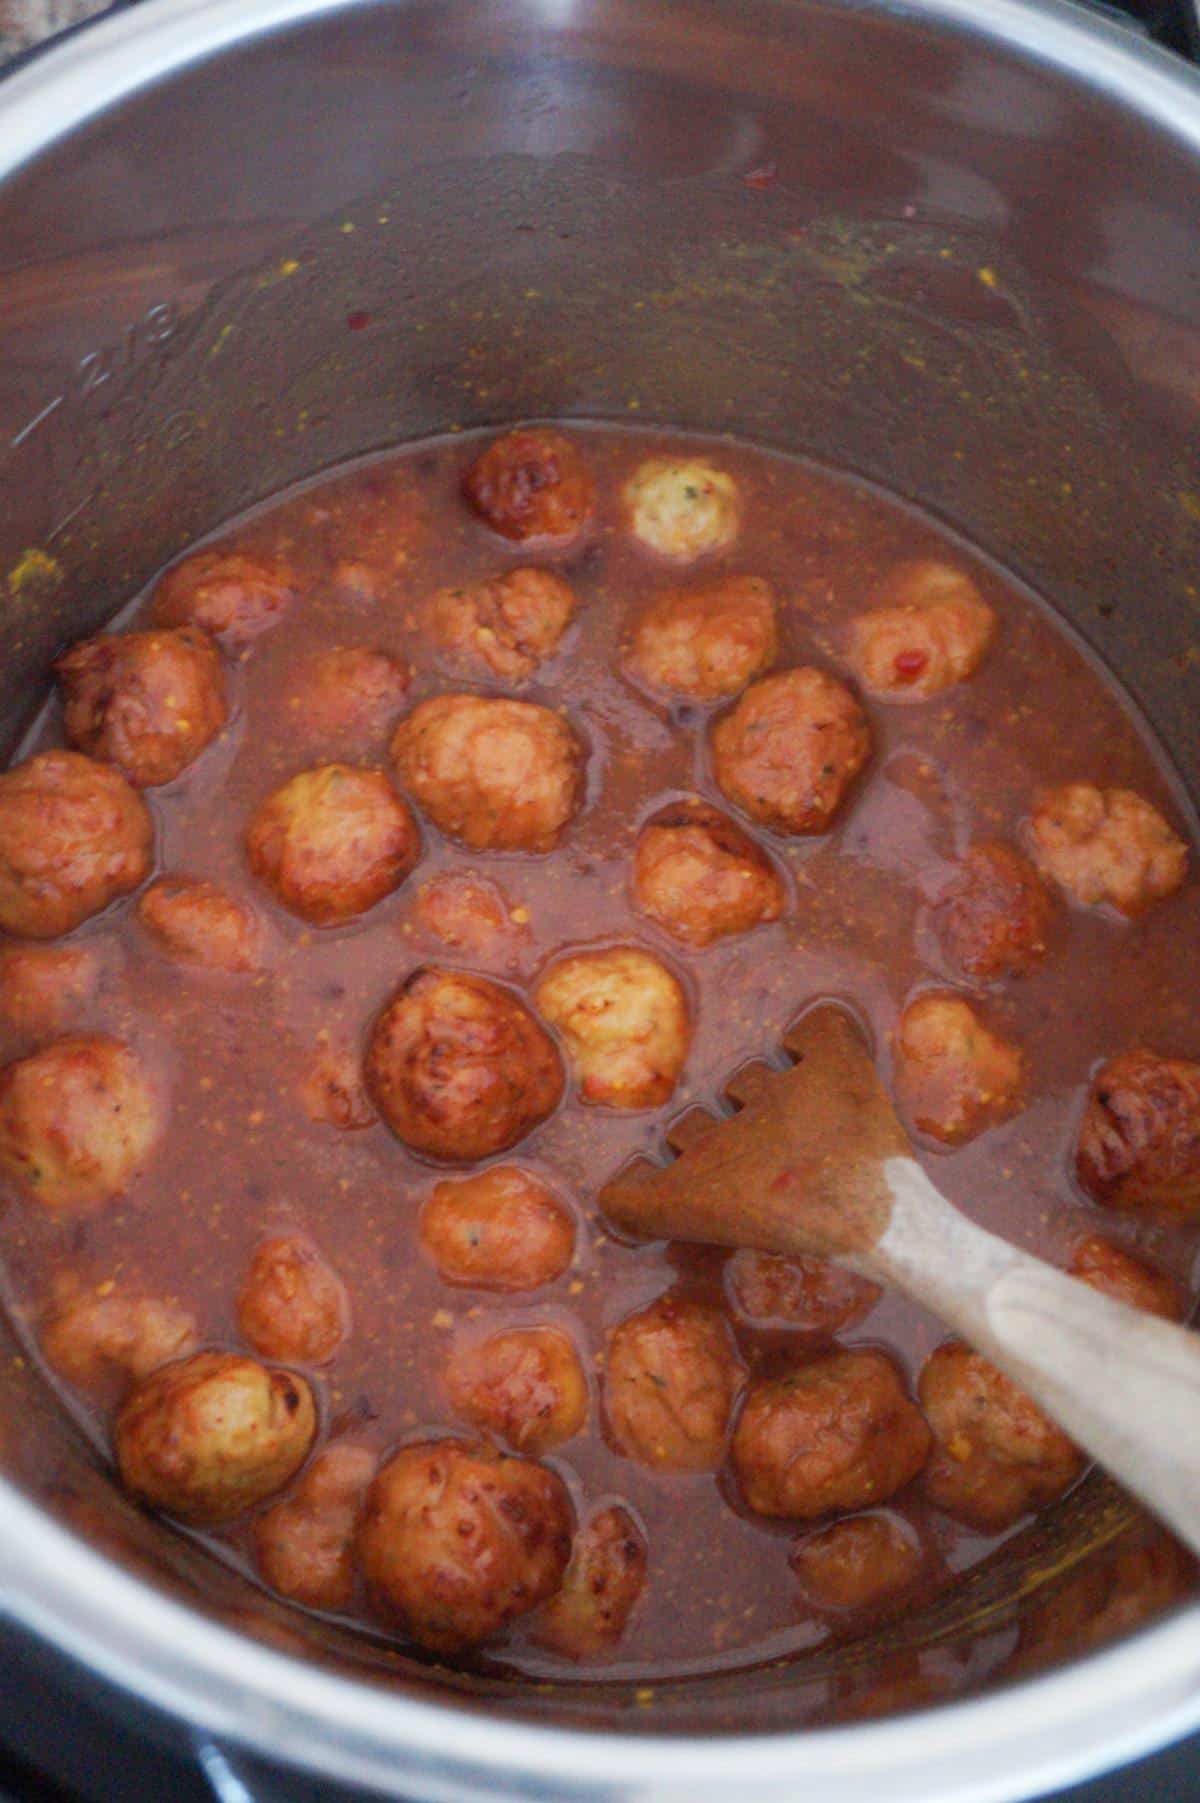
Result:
pixel 815 1161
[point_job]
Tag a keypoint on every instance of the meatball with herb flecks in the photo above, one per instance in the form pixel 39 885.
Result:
pixel 501 1229
pixel 1139 1140
pixel 994 917
pixel 506 626
pixel 858 1563
pixel 457 1540
pixel 701 877
pixel 624 1020
pixel 800 1294
pixel 73 837
pixel 146 702
pixel 1117 1273
pixel 234 595
pixel 928 629
pixel 78 1121
pixel 1106 846
pixel 44 988
pixel 588 1613
pixel 682 508
pixel 304 1545
pixel 708 640
pixel 954 1076
pixel 790 749
pixel 346 698
pixel 200 923
pixel 671 1378
pixel 525 1385
pixel 293 1305
pixel 110 1332
pixel 532 485
pixel 332 842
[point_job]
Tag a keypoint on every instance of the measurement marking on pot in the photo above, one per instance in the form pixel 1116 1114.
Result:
pixel 96 369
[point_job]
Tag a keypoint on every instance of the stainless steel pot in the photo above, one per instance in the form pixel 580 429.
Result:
pixel 950 244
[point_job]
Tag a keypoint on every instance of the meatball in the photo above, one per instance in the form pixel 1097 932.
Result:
pixel 332 1091
pixel 501 1229
pixel 996 1455
pixel 701 877
pixel 1139 1140
pixel 624 1020
pixel 78 1120
pixel 806 1295
pixel 232 594
pixel 954 1076
pixel 840 1433
pixel 993 919
pixel 348 696
pixel 332 842
pixel 499 775
pixel 532 485
pixel 671 1377
pixel 859 1563
pixel 200 923
pixel 505 627
pixel 1118 1274
pixel 293 1305
pixel 683 508
pixel 790 750
pixel 526 1386
pixel 708 640
pixel 603 1582
pixel 73 837
pixel 207 1437
pixel 93 1337
pixel 459 1539
pixel 467 913
pixel 929 629
pixel 1106 846
pixel 45 987
pixel 305 1544
pixel 148 702
pixel 459 1067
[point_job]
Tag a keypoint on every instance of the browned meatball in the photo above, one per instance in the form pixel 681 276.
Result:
pixel 200 923
pixel 73 837
pixel 859 1563
pixel 332 1090
pixel 502 1229
pixel 347 697
pixel 840 1433
pixel 208 1436
pixel 683 508
pixel 603 1582
pixel 790 750
pixel 994 918
pixel 232 594
pixel 459 1067
pixel 1106 846
pixel 305 1544
pixel 499 775
pixel 43 988
pixel 929 629
pixel 806 1295
pixel 624 1019
pixel 701 877
pixel 995 1454
pixel 1139 1140
pixel 671 1377
pixel 708 640
pixel 78 1120
pixel 505 627
pixel 110 1333
pixel 1126 1279
pixel 525 1385
pixel 954 1076
pixel 470 914
pixel 459 1539
pixel 532 485
pixel 293 1305
pixel 148 702
pixel 332 842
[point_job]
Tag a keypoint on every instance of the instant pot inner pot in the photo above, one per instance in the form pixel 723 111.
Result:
pixel 883 242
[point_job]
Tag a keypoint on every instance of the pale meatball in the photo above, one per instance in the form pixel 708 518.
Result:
pixel 1139 1140
pixel 840 1433
pixel 505 627
pixel 671 1378
pixel 701 877
pixel 234 595
pixel 954 1076
pixel 148 702
pixel 78 1121
pixel 929 629
pixel 607 1574
pixel 209 1436
pixel 801 1295
pixel 469 914
pixel 332 842
pixel 996 1456
pixel 624 1021
pixel 683 508
pixel 347 696
pixel 499 775
pixel 502 1229
pixel 44 988
pixel 200 923
pixel 859 1563
pixel 706 641
pixel 790 750
pixel 73 837
pixel 532 485
pixel 305 1544
pixel 458 1540
pixel 110 1334
pixel 1117 1273
pixel 293 1305
pixel 994 918
pixel 1106 846
pixel 525 1385
pixel 459 1068
pixel 332 1090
